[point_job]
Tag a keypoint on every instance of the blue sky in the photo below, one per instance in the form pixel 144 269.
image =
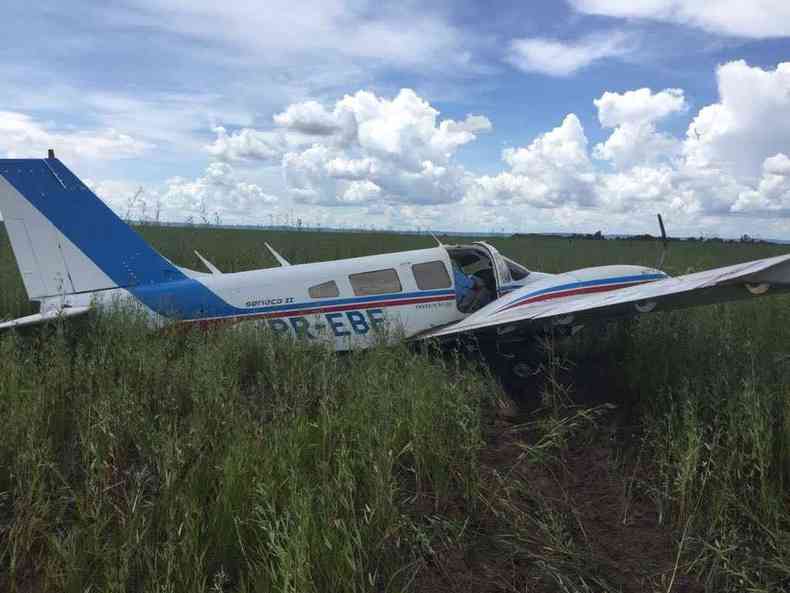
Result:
pixel 522 116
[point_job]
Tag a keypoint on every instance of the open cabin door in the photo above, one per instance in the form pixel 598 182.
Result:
pixel 499 267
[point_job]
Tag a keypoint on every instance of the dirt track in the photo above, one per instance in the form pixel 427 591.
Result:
pixel 618 543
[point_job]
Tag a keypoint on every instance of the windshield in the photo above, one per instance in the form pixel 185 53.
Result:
pixel 517 271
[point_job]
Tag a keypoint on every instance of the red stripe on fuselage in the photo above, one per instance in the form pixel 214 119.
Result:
pixel 572 292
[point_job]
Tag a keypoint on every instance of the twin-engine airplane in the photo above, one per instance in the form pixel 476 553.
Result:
pixel 76 255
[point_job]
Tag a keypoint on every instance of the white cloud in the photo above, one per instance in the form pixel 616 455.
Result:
pixel 779 164
pixel 219 193
pixel 773 193
pixel 750 122
pixel 698 181
pixel 394 161
pixel 24 136
pixel 352 169
pixel 307 177
pixel 638 190
pixel 246 144
pixel 370 148
pixel 635 140
pixel 284 31
pixel 309 117
pixel 638 106
pixel 124 197
pixel 360 192
pixel 558 58
pixel 636 144
pixel 756 18
pixel 562 149
pixel 553 170
pixel 404 128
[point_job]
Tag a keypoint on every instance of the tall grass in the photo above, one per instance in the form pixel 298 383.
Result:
pixel 132 461
pixel 135 461
pixel 707 393
pixel 715 395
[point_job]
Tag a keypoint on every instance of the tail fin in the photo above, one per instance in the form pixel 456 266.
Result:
pixel 65 239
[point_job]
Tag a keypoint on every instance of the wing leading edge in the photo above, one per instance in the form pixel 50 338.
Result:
pixel 527 309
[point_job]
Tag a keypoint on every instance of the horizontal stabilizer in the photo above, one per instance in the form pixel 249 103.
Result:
pixel 277 256
pixel 40 318
pixel 211 267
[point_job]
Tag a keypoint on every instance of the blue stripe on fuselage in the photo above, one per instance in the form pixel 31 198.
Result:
pixel 584 283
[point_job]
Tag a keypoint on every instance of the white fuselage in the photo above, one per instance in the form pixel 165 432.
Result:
pixel 327 303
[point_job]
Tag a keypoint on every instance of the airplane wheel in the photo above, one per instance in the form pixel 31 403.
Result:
pixel 522 370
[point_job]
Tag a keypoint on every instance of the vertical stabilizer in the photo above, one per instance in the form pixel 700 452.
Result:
pixel 65 239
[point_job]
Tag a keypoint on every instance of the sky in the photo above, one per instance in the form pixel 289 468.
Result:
pixel 568 116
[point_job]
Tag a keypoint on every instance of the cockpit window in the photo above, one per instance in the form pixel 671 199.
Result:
pixel 431 275
pixel 517 271
pixel 324 291
pixel 378 282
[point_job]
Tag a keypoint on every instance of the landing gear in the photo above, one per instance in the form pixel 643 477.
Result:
pixel 515 365
pixel 522 370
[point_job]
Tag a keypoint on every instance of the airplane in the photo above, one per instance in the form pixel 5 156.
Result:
pixel 76 255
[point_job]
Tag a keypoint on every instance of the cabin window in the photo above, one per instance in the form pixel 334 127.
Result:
pixel 431 275
pixel 378 282
pixel 324 291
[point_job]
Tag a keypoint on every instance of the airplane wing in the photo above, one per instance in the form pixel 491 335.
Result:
pixel 530 309
pixel 40 318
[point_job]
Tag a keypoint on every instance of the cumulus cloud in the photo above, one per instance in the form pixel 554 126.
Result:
pixel 750 122
pixel 553 170
pixel 708 175
pixel 640 189
pixel 638 106
pixel 309 117
pixel 404 128
pixel 219 193
pixel 756 19
pixel 23 136
pixel 370 148
pixel 394 161
pixel 633 115
pixel 246 144
pixel 635 144
pixel 773 192
pixel 124 197
pixel 560 58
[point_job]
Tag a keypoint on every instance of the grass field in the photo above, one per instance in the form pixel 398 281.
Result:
pixel 651 455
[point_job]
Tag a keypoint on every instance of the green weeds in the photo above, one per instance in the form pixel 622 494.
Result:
pixel 229 461
pixel 131 460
